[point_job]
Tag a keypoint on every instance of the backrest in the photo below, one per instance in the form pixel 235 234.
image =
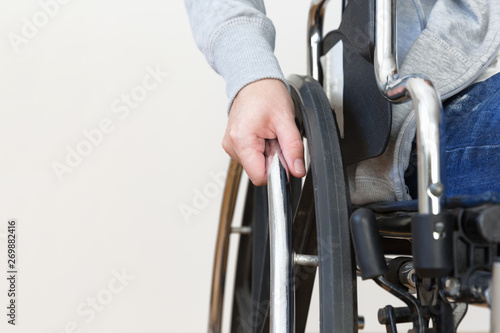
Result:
pixel 366 113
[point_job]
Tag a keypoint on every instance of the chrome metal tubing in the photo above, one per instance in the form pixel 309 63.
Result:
pixel 315 36
pixel 305 260
pixel 427 106
pixel 385 62
pixel 244 230
pixel 426 103
pixel 221 247
pixel 495 298
pixel 282 296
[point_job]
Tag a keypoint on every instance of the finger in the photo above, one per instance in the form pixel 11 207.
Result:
pixel 252 159
pixel 292 147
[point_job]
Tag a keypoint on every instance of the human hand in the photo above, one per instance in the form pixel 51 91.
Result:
pixel 263 110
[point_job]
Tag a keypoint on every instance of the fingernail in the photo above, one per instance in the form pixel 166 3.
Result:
pixel 299 166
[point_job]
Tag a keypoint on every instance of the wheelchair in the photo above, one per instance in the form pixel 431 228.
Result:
pixel 437 255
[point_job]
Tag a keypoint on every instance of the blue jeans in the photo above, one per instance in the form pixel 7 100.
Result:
pixel 472 120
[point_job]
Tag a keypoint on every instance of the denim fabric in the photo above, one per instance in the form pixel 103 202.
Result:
pixel 472 120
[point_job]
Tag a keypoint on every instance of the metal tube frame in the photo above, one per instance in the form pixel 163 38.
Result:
pixel 426 103
pixel 282 310
pixel 314 37
pixel 495 298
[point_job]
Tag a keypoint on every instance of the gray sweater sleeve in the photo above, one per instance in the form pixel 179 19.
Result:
pixel 237 40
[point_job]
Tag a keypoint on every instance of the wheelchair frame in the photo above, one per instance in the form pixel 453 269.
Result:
pixel 433 231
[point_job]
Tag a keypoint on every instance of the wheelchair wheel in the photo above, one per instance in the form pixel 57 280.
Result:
pixel 320 227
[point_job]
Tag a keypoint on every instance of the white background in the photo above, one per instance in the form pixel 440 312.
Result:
pixel 119 209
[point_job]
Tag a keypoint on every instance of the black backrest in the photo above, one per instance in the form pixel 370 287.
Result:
pixel 367 114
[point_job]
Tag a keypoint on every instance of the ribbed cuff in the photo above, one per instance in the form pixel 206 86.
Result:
pixel 242 52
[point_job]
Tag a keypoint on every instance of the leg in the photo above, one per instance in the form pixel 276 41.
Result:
pixel 473 139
